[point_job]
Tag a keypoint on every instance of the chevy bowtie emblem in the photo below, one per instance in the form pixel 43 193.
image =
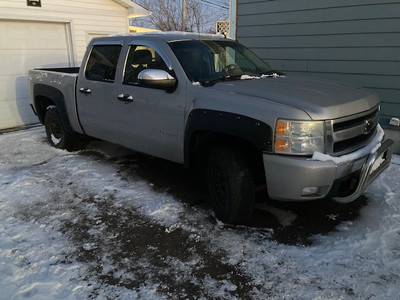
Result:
pixel 368 125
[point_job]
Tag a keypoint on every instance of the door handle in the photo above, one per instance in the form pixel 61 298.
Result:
pixel 125 98
pixel 85 90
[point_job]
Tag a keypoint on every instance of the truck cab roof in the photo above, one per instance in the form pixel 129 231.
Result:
pixel 170 36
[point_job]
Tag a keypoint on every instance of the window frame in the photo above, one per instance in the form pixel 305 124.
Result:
pixel 153 46
pixel 104 44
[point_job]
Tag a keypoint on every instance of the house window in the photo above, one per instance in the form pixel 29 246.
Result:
pixel 102 63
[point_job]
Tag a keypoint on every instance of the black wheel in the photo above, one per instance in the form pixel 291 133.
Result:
pixel 57 135
pixel 230 184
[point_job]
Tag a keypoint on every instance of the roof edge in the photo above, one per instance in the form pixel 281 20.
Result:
pixel 134 9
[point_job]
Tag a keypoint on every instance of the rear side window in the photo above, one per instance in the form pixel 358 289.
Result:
pixel 102 63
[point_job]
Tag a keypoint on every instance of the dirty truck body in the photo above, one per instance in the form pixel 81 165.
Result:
pixel 209 103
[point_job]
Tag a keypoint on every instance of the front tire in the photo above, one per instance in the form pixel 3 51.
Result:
pixel 57 135
pixel 230 184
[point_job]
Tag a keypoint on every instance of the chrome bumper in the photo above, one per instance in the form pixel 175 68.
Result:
pixel 374 165
pixel 290 178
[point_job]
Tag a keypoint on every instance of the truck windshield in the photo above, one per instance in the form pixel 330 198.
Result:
pixel 208 61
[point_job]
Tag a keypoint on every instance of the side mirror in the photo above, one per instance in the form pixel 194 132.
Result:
pixel 156 79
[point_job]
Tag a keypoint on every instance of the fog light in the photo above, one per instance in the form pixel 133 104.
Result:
pixel 310 190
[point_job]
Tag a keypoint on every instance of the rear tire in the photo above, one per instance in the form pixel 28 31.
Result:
pixel 230 184
pixel 57 135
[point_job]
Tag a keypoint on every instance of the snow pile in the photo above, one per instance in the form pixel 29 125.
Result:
pixel 73 228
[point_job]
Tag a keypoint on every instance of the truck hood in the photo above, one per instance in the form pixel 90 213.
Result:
pixel 320 99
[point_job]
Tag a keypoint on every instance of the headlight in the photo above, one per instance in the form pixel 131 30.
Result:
pixel 297 137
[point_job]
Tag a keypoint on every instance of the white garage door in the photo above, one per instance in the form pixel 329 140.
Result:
pixel 24 46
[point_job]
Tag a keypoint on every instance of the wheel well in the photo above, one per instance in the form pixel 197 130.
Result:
pixel 203 141
pixel 41 104
pixel 44 96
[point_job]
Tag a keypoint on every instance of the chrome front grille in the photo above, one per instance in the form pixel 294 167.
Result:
pixel 348 134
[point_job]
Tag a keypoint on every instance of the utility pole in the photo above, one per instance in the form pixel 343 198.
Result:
pixel 183 15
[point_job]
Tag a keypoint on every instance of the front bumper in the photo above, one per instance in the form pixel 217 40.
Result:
pixel 297 179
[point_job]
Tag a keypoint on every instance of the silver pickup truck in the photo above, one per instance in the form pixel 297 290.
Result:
pixel 209 103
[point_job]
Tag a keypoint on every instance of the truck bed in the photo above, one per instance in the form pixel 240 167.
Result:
pixel 70 70
pixel 58 84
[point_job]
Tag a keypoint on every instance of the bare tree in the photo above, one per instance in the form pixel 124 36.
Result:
pixel 196 20
pixel 166 15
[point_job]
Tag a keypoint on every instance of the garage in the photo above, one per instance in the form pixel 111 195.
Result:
pixel 26 45
pixel 49 33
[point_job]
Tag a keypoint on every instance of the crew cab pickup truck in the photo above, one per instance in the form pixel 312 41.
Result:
pixel 209 103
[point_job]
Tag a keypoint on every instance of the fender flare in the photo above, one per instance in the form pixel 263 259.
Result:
pixel 56 96
pixel 256 132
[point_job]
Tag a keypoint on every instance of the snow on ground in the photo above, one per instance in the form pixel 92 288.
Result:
pixel 89 224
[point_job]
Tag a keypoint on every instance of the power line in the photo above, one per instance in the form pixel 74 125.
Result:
pixel 214 4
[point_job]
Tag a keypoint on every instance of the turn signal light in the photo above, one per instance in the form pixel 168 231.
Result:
pixel 280 145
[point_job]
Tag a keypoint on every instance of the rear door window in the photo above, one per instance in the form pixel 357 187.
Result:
pixel 102 63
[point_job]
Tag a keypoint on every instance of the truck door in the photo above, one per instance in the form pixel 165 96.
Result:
pixel 113 106
pixel 151 119
pixel 97 90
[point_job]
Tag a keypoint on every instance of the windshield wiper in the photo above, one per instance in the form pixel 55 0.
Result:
pixel 213 81
pixel 273 74
pixel 225 77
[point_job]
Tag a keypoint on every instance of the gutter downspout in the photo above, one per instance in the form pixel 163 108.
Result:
pixel 233 19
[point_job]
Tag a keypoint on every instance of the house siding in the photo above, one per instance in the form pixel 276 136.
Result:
pixel 355 41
